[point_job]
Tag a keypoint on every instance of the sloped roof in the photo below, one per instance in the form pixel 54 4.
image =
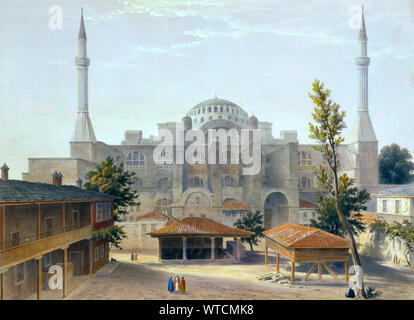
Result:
pixel 307 204
pixel 24 191
pixel 368 217
pixel 297 236
pixel 151 215
pixel 195 226
pixel 403 190
pixel 235 205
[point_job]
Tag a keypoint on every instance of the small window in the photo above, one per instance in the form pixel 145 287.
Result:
pixel 137 182
pixel 164 183
pixel 397 206
pixel 99 212
pixel 215 109
pixel 96 253
pixel 47 259
pixel 15 239
pixel 108 207
pixel 204 110
pixel 209 109
pixel 153 227
pixel 144 229
pixel 20 273
pixel 384 205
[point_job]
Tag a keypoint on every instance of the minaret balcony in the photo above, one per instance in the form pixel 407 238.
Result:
pixel 362 61
pixel 82 62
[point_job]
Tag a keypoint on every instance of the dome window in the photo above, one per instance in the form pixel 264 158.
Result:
pixel 215 109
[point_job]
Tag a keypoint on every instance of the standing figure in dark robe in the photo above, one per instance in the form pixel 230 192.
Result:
pixel 177 284
pixel 171 285
pixel 132 256
pixel 182 286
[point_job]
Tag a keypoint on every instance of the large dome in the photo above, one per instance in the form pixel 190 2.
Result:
pixel 218 109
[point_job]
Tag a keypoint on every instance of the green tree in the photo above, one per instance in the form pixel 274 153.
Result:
pixel 251 222
pixel 111 179
pixel 394 165
pixel 327 132
pixel 352 202
pixel 403 231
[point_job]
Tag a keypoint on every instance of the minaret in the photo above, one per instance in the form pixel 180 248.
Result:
pixel 83 131
pixel 363 138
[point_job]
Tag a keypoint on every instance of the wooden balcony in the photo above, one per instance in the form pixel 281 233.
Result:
pixel 31 250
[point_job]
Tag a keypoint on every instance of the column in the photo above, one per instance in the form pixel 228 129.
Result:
pixel 184 248
pixel 266 253
pixel 63 216
pixel 65 264
pixel 213 248
pixel 319 271
pixel 238 248
pixel 39 277
pixel 292 272
pixel 38 217
pixel 3 284
pixel 277 262
pixel 159 250
pixel 91 256
pixel 346 271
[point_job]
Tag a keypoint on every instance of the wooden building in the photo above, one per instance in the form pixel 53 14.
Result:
pixel 196 238
pixel 305 244
pixel 44 225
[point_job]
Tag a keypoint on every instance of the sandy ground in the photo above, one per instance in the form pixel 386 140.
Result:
pixel 147 279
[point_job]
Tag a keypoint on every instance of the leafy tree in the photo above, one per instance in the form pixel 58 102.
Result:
pixel 394 165
pixel 403 231
pixel 111 179
pixel 352 202
pixel 251 222
pixel 327 131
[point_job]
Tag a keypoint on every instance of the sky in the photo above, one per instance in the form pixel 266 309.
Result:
pixel 153 60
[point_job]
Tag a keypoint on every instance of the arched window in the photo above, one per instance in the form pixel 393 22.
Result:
pixel 135 160
pixel 164 183
pixel 338 160
pixel 163 206
pixel 305 182
pixel 228 181
pixel 196 182
pixel 137 182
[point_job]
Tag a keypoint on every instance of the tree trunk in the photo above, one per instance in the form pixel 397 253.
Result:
pixel 251 245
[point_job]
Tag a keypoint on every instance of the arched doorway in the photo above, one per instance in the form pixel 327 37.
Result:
pixel 276 210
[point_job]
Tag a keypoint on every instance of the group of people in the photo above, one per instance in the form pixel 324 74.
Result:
pixel 134 256
pixel 176 285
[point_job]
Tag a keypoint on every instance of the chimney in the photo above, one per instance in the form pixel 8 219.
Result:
pixel 79 183
pixel 57 178
pixel 5 172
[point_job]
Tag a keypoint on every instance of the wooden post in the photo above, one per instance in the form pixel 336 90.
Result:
pixel 213 248
pixel 346 271
pixel 319 271
pixel 65 278
pixel 39 277
pixel 2 227
pixel 309 272
pixel 184 248
pixel 292 274
pixel 266 254
pixel 3 284
pixel 63 216
pixel 38 217
pixel 277 262
pixel 91 256
pixel 159 250
pixel 238 248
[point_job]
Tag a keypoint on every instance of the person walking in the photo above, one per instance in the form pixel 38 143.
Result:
pixel 182 286
pixel 171 285
pixel 177 284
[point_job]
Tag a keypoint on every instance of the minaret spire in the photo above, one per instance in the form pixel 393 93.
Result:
pixel 83 131
pixel 363 130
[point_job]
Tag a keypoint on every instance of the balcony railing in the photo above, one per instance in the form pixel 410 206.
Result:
pixel 31 250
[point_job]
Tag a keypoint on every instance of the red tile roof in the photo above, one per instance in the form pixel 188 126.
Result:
pixel 306 204
pixel 235 205
pixel 152 215
pixel 297 236
pixel 194 226
pixel 368 217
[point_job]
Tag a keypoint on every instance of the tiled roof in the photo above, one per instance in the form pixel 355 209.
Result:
pixel 152 215
pixel 201 227
pixel 368 217
pixel 403 190
pixel 235 205
pixel 297 236
pixel 17 190
pixel 307 204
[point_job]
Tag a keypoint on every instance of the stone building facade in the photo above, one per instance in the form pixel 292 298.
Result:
pixel 200 190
